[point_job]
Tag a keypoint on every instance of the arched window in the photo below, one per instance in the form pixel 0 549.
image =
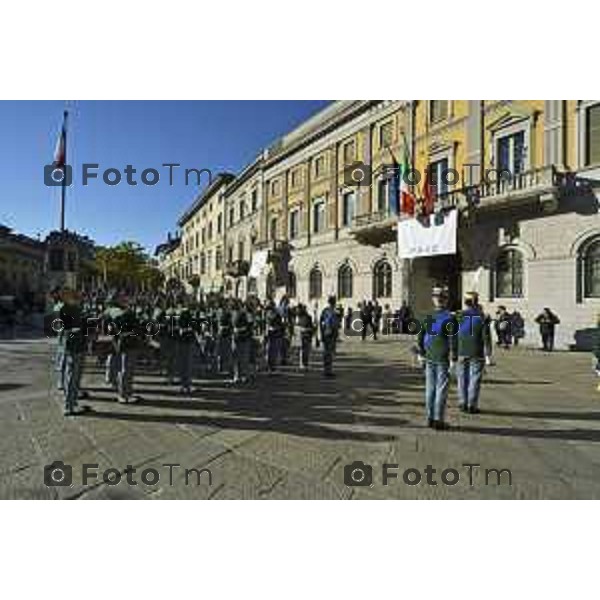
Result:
pixel 382 279
pixel 591 269
pixel 509 274
pixel 315 283
pixel 291 285
pixel 345 281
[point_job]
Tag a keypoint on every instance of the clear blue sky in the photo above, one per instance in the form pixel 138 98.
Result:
pixel 222 135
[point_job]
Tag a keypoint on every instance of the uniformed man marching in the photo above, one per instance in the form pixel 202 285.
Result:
pixel 73 340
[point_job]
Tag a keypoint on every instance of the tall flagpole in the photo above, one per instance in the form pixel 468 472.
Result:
pixel 64 180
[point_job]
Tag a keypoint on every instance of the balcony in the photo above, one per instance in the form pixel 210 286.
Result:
pixel 237 268
pixel 544 185
pixel 375 229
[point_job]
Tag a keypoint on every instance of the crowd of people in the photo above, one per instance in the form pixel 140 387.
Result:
pixel 236 339
pixel 221 335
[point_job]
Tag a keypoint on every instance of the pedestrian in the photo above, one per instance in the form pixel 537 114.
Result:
pixel 518 327
pixel 547 321
pixel 366 316
pixel 503 327
pixel 387 320
pixel 273 336
pixel 329 326
pixel 241 342
pixel 224 333
pixel 348 320
pixel 474 345
pixel 437 349
pixel 306 330
pixel 377 316
pixel 185 340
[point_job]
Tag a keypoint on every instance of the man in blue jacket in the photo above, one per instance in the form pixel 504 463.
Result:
pixel 437 347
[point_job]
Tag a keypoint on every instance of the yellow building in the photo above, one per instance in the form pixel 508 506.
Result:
pixel 523 175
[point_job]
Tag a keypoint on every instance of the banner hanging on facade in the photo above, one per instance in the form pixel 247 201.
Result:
pixel 431 236
pixel 259 262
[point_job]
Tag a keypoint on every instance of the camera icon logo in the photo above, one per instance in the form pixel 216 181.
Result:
pixel 57 474
pixel 358 474
pixel 55 175
pixel 357 174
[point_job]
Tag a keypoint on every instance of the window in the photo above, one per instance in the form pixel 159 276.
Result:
pixel 275 188
pixel 345 281
pixel 219 223
pixel 294 223
pixel 229 255
pixel 349 152
pixel 382 280
pixel 295 178
pixel 438 176
pixel 591 270
pixel 231 216
pixel 592 137
pixel 291 285
pixel 254 200
pixel 318 216
pixel 242 210
pixel 273 228
pixel 385 135
pixel 203 235
pixel 511 152
pixel 348 208
pixel 202 264
pixel 219 259
pixel 209 260
pixel 315 283
pixel 241 250
pixel 509 274
pixel 57 259
pixel 319 166
pixel 210 231
pixel 438 110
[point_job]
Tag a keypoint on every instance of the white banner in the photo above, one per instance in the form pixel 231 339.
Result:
pixel 259 262
pixel 430 236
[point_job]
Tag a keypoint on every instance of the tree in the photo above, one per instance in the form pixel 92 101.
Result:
pixel 127 266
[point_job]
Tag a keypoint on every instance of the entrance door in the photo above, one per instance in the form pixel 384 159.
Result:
pixel 446 270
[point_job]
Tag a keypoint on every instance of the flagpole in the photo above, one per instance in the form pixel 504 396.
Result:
pixel 63 191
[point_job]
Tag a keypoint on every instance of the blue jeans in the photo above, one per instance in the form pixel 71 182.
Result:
pixel 436 390
pixel 468 377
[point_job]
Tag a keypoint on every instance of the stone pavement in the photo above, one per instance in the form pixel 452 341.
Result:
pixel 291 434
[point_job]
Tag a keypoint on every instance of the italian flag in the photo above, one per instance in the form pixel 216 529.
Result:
pixel 407 200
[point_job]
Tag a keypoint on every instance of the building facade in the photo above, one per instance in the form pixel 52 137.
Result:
pixel 21 265
pixel 199 258
pixel 243 208
pixel 525 241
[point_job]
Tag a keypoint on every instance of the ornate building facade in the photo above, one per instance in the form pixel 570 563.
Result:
pixel 526 241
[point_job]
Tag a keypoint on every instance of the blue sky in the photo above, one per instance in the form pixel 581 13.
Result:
pixel 217 135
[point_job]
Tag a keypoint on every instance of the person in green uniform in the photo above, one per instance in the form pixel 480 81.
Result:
pixel 474 345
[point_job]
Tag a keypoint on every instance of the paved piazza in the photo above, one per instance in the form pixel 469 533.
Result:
pixel 291 435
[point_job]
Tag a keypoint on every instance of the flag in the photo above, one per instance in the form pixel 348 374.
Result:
pixel 428 197
pixel 407 200
pixel 60 152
